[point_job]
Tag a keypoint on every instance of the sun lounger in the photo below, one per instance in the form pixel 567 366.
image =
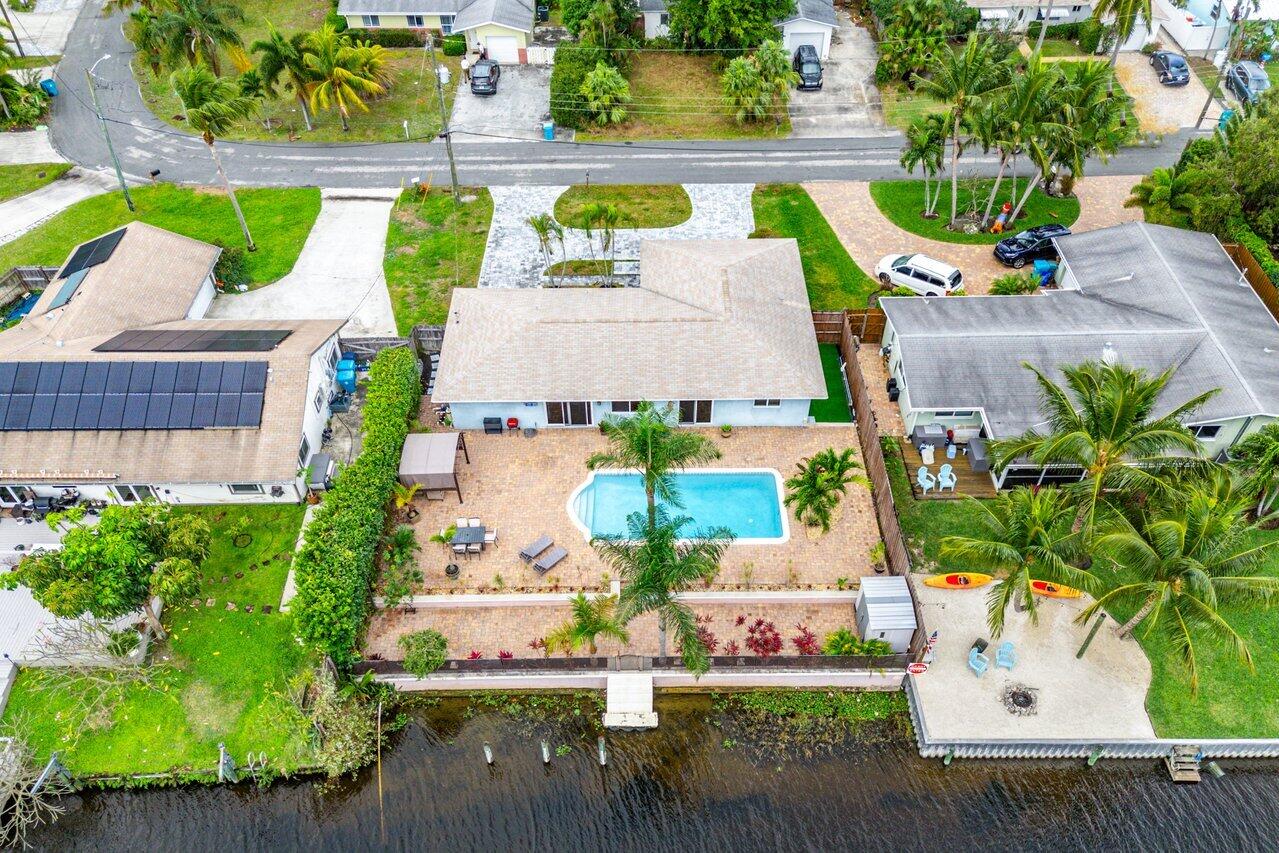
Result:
pixel 528 552
pixel 548 562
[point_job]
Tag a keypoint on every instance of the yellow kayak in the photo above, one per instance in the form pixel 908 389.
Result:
pixel 958 580
pixel 1054 590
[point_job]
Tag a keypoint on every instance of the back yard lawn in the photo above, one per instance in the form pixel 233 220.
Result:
pixel 679 96
pixel 20 180
pixel 902 106
pixel 834 409
pixel 431 248
pixel 224 675
pixel 641 206
pixel 902 201
pixel 279 220
pixel 834 281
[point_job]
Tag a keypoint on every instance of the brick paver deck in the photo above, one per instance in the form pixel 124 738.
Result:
pixel 521 487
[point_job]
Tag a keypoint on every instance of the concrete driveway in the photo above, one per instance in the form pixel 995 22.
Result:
pixel 513 114
pixel 1160 108
pixel 844 105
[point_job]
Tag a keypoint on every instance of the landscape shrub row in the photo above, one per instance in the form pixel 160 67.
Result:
pixel 572 64
pixel 389 37
pixel 1242 234
pixel 335 567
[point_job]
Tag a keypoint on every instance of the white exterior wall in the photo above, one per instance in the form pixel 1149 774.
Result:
pixel 1018 18
pixel 803 26
pixel 203 299
pixel 653 26
pixel 731 412
pixel 321 379
pixel 1192 35
pixel 746 413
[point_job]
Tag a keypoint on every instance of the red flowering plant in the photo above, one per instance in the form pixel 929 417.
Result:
pixel 732 649
pixel 475 654
pixel 704 635
pixel 806 641
pixel 504 655
pixel 762 638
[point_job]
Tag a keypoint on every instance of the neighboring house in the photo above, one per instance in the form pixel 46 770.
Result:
pixel 812 23
pixel 114 384
pixel 1148 296
pixel 502 28
pixel 1202 25
pixel 1018 14
pixel 722 329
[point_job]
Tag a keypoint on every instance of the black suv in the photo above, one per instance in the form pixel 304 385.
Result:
pixel 1171 68
pixel 1031 245
pixel 808 67
pixel 484 77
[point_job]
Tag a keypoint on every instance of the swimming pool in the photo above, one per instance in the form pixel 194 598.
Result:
pixel 746 501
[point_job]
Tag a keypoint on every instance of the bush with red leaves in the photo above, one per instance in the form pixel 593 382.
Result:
pixel 762 638
pixel 539 645
pixel 475 654
pixel 732 649
pixel 704 635
pixel 504 655
pixel 806 643
pixel 740 621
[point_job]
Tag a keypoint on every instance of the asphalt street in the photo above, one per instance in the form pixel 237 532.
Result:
pixel 144 143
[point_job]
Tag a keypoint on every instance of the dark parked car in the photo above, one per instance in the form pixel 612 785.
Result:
pixel 1247 80
pixel 1031 245
pixel 1171 68
pixel 808 67
pixel 484 77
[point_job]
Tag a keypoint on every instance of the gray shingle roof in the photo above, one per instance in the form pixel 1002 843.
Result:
pixel 1159 296
pixel 821 11
pixel 652 5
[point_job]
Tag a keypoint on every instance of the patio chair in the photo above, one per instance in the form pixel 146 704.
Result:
pixel 1006 656
pixel 463 522
pixel 978 662
pixel 925 480
pixel 473 522
pixel 528 552
pixel 490 537
pixel 475 548
pixel 946 478
pixel 459 549
pixel 548 562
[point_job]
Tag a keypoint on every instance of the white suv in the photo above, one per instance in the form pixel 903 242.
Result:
pixel 920 273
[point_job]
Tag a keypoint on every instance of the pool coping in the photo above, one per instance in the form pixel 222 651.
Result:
pixel 777 480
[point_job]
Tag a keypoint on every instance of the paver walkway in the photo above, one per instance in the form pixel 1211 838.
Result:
pixel 512 257
pixel 339 273
pixel 19 215
pixel 868 235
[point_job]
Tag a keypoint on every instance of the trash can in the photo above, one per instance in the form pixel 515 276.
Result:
pixel 50 88
pixel 548 131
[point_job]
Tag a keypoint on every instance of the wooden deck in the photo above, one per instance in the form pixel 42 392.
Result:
pixel 969 482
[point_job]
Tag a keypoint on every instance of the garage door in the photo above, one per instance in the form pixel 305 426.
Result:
pixel 503 49
pixel 794 40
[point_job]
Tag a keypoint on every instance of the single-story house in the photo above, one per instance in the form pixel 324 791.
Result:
pixel 813 22
pixel 501 28
pixel 1016 15
pixel 115 385
pixel 1148 296
pixel 721 329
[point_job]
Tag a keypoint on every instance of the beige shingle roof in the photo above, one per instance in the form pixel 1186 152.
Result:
pixel 711 319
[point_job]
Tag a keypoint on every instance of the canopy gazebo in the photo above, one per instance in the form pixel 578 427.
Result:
pixel 429 459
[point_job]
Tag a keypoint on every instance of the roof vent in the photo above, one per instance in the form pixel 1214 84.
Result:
pixel 1108 354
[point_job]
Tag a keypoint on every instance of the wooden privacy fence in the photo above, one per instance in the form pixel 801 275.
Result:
pixel 1261 283
pixel 21 280
pixel 867 324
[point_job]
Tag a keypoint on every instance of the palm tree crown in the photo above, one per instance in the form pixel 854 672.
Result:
pixel 822 479
pixel 340 72
pixel 194 30
pixel 592 617
pixel 282 58
pixel 213 105
pixel 1256 458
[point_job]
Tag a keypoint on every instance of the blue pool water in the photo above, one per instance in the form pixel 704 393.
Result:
pixel 746 502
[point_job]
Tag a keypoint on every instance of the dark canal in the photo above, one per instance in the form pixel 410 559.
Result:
pixel 705 780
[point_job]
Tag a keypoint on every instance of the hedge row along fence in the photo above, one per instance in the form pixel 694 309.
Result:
pixel 335 567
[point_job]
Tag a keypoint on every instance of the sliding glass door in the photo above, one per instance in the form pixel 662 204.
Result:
pixel 694 411
pixel 568 414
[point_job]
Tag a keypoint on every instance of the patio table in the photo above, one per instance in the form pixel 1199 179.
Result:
pixel 469 536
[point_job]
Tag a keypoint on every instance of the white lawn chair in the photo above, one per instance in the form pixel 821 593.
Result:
pixel 490 537
pixel 474 548
pixel 459 549
pixel 925 480
pixel 463 522
pixel 473 522
pixel 946 478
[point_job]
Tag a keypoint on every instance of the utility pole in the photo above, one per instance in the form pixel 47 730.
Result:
pixel 444 120
pixel 16 41
pixel 93 92
pixel 1043 27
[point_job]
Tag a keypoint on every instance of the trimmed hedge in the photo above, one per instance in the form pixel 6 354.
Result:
pixel 1241 233
pixel 388 38
pixel 454 45
pixel 335 567
pixel 1091 33
pixel 572 64
pixel 1067 32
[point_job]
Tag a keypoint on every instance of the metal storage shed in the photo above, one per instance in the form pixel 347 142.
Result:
pixel 885 611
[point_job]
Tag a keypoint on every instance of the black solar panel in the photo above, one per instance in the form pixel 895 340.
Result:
pixel 131 395
pixel 195 340
pixel 92 253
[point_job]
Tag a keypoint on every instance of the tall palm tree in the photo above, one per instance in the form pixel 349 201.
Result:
pixel 146 35
pixel 194 30
pixel 339 77
pixel 651 442
pixel 213 105
pixel 1024 114
pixel 962 79
pixel 1181 563
pixel 592 618
pixel 1026 535
pixel 655 561
pixel 925 148
pixel 1104 422
pixel 282 58
pixel 1256 458
pixel 814 491
pixel 1125 14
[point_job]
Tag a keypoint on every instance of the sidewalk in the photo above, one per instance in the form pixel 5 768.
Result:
pixel 19 215
pixel 27 146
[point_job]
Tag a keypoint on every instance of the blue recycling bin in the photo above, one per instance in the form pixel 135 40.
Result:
pixel 548 131
pixel 50 88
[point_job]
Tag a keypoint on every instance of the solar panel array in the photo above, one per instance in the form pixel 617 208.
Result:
pixel 195 340
pixel 92 253
pixel 128 395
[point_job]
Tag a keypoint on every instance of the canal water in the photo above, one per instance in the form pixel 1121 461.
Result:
pixel 707 779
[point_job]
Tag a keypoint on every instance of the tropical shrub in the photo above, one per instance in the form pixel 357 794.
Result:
pixel 724 24
pixel 572 64
pixel 1090 34
pixel 390 38
pixel 606 93
pixel 232 266
pixel 1014 284
pixel 424 651
pixel 844 643
pixel 336 21
pixel 806 641
pixel 821 481
pixel 454 45
pixel 762 638
pixel 336 564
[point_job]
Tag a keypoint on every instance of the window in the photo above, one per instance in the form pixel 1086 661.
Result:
pixel 568 414
pixel 304 452
pixel 133 494
pixel 695 411
pixel 416 21
pixel 370 21
pixel 767 404
pixel 625 406
pixel 1206 432
pixel 664 19
pixel 1076 8
pixel 11 494
pixel 245 489
pixel 446 24
pixel 959 413
pixel 333 359
pixel 319 399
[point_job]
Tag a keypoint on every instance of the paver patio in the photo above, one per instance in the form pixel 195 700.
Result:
pixel 521 486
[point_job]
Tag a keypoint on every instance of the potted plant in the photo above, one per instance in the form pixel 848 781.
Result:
pixel 726 430
pixel 877 557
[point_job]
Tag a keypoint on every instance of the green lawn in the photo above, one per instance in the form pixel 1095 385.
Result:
pixel 227 678
pixel 679 96
pixel 432 247
pixel 1057 47
pixel 834 409
pixel 902 106
pixel 656 206
pixel 902 201
pixel 20 62
pixel 279 220
pixel 834 281
pixel 20 180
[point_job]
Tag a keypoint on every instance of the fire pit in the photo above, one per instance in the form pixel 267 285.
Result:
pixel 1020 700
